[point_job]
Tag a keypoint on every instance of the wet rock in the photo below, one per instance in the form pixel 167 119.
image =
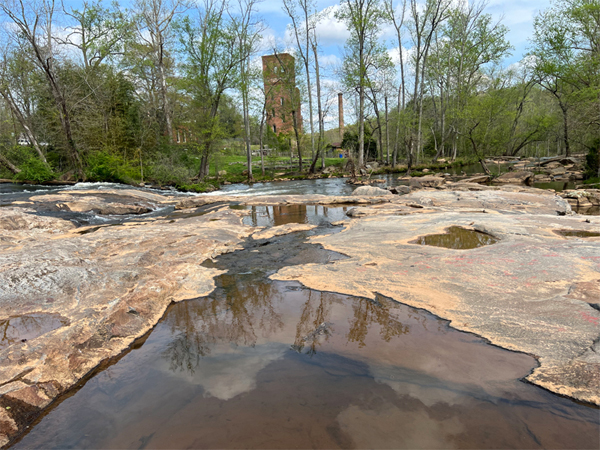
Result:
pixel 283 229
pixel 426 182
pixel 105 202
pixel 370 191
pixel 518 177
pixel 478 179
pixel 20 219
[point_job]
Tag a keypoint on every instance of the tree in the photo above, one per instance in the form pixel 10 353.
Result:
pixel 566 51
pixel 17 90
pixel 425 22
pixel 467 43
pixel 33 23
pixel 247 32
pixel 155 18
pixel 363 19
pixel 212 59
pixel 302 36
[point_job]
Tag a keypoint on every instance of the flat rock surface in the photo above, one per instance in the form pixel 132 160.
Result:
pixel 529 292
pixel 76 297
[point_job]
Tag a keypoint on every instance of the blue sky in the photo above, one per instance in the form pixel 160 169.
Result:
pixel 517 15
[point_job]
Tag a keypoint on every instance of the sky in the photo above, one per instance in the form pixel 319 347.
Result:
pixel 517 15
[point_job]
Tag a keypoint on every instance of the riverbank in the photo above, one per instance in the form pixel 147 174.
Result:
pixel 88 293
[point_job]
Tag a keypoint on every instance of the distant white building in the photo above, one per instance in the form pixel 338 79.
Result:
pixel 25 142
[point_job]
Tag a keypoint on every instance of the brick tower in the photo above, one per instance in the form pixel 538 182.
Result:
pixel 283 97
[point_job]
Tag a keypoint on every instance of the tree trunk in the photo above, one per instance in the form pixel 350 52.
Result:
pixel 319 108
pixel 566 127
pixel 387 133
pixel 17 113
pixel 10 166
pixel 297 139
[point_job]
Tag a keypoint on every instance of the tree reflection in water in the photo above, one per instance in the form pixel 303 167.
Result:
pixel 244 307
pixel 233 314
pixel 369 312
pixel 27 327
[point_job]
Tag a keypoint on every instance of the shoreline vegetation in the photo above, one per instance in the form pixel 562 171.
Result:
pixel 234 170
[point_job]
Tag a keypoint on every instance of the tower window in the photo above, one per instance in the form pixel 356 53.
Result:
pixel 281 101
pixel 274 128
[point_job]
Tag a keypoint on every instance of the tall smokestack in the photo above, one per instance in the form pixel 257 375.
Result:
pixel 341 114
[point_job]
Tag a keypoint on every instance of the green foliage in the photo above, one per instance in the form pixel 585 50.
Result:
pixel 592 161
pixel 33 169
pixel 350 142
pixel 105 166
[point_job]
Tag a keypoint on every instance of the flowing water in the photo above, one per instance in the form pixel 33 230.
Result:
pixel 267 364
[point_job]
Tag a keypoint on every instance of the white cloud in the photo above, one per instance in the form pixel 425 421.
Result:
pixel 233 370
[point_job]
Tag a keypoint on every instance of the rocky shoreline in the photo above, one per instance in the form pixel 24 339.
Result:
pixel 92 291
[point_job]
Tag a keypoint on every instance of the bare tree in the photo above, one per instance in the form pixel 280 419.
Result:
pixel 155 21
pixel 247 30
pixel 363 19
pixel 12 71
pixel 33 23
pixel 303 42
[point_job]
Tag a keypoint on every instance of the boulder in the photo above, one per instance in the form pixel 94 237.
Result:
pixel 371 191
pixel 576 176
pixel 426 181
pixel 559 171
pixel 552 165
pixel 520 177
pixel 400 190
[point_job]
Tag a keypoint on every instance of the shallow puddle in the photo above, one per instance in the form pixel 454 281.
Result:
pixel 263 364
pixel 577 233
pixel 457 238
pixel 261 216
pixel 24 328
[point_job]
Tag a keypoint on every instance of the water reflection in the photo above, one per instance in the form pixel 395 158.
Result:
pixel 236 313
pixel 29 326
pixel 245 308
pixel 368 313
pixel 457 238
pixel 261 216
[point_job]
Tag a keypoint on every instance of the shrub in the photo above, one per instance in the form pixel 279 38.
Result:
pixel 33 169
pixel 103 166
pixel 592 161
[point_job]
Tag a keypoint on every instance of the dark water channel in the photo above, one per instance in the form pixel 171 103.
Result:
pixel 266 364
